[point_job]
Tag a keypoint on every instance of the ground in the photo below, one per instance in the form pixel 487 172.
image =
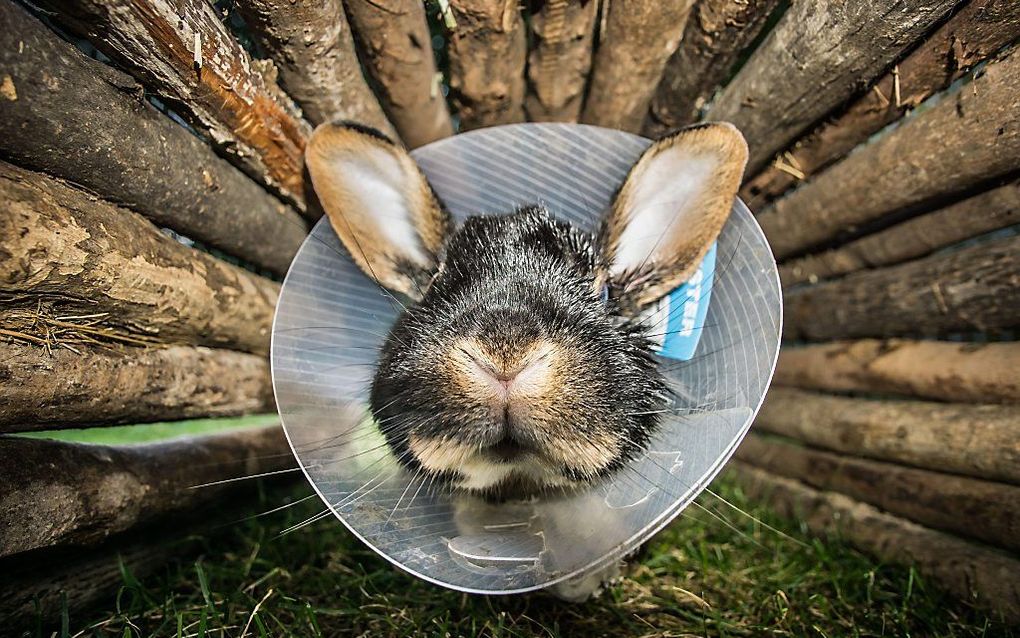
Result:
pixel 714 572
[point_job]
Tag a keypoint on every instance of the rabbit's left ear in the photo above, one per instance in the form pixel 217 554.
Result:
pixel 670 209
pixel 379 204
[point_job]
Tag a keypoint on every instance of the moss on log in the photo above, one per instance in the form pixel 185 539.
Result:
pixel 397 50
pixel 79 119
pixel 975 33
pixel 714 36
pixel 181 50
pixel 981 441
pixel 988 211
pixel 313 47
pixel 57 494
pixel 82 256
pixel 817 56
pixel 59 387
pixel 971 289
pixel 967 139
pixel 970 571
pixel 488 49
pixel 560 59
pixel 635 40
pixel 984 510
pixel 938 370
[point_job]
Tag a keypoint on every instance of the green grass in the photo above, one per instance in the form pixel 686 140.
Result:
pixel 700 576
pixel 150 432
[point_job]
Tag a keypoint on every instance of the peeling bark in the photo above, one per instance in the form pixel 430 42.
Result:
pixel 81 256
pixel 86 122
pixel 938 370
pixel 974 34
pixel 816 58
pixel 636 41
pixel 941 501
pixel 560 59
pixel 57 494
pixel 714 36
pixel 229 96
pixel 91 385
pixel 969 138
pixel 397 47
pixel 972 289
pixel 312 45
pixel 980 441
pixel 487 50
pixel 970 571
pixel 994 209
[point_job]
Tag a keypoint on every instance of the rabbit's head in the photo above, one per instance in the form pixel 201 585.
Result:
pixel 519 363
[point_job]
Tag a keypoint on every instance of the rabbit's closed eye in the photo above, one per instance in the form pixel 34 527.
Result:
pixel 518 366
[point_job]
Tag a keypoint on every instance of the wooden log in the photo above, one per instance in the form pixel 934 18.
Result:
pixel 79 256
pixel 991 210
pixel 973 508
pixel 635 41
pixel 970 571
pixel 90 385
pixel 488 49
pixel 938 370
pixel 397 51
pixel 975 33
pixel 181 50
pixel 563 33
pixel 972 289
pixel 968 138
pixel 58 494
pixel 814 59
pixel 981 441
pixel 313 47
pixel 40 589
pixel 715 35
pixel 79 119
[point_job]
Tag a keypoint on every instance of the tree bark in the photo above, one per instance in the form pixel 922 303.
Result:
pixel 57 494
pixel 970 571
pixel 636 40
pixel 816 58
pixel 972 289
pixel 397 48
pixel 67 253
pixel 983 510
pixel 968 138
pixel 974 34
pixel 715 35
pixel 939 370
pixel 229 96
pixel 994 209
pixel 981 441
pixel 560 59
pixel 487 50
pixel 311 43
pixel 43 389
pixel 84 121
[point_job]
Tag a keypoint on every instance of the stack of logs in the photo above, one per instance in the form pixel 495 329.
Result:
pixel 908 447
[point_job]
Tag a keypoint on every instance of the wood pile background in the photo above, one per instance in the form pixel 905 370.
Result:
pixel 154 194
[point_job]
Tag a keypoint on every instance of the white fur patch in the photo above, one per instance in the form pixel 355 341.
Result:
pixel 377 182
pixel 662 203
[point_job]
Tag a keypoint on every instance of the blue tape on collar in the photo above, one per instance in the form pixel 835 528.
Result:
pixel 676 321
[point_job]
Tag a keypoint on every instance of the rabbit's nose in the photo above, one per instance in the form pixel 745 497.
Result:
pixel 525 375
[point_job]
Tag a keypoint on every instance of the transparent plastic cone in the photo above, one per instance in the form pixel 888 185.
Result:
pixel 331 321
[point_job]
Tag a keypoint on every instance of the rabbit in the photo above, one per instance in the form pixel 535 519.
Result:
pixel 520 366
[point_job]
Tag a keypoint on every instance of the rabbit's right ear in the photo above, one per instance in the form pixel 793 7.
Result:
pixel 379 204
